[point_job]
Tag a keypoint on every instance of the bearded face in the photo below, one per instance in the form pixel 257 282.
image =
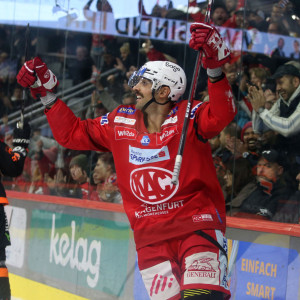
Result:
pixel 250 139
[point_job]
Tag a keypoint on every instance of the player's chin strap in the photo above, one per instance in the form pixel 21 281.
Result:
pixel 153 100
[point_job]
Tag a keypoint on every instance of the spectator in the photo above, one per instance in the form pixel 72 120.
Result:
pixel 104 176
pixel 81 70
pixel 288 210
pixel 271 188
pixel 283 117
pixel 79 167
pixel 13 103
pixel 274 29
pixel 238 85
pixel 227 138
pixel 257 20
pixel 239 19
pixel 268 92
pixel 239 181
pixel 258 76
pixel 153 54
pixel 8 69
pixel 159 11
pixel 296 54
pixel 96 109
pixel 112 82
pixel 126 57
pixel 279 50
pixel 248 146
pixel 231 6
pixel 276 13
pixel 219 15
pixel 57 183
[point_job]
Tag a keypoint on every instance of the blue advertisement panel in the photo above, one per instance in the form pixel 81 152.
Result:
pixel 262 272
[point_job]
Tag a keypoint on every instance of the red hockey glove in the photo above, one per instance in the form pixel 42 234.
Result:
pixel 38 91
pixel 207 38
pixel 47 78
pixel 26 76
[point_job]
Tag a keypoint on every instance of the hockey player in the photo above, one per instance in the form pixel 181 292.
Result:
pixel 178 229
pixel 11 164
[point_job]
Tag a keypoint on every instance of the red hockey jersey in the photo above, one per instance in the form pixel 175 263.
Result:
pixel 157 209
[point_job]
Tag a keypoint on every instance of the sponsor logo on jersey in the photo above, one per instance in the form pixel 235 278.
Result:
pixel 125 133
pixel 128 121
pixel 161 282
pixel 170 120
pixel 157 209
pixel 204 265
pixel 126 110
pixel 139 156
pixel 192 116
pixel 173 111
pixel 152 185
pixel 201 218
pixel 145 140
pixel 104 119
pixel 166 134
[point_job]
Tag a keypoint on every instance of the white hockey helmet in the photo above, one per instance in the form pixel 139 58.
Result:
pixel 162 73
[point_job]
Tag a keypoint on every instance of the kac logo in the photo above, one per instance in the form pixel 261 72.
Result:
pixel 145 140
pixel 152 185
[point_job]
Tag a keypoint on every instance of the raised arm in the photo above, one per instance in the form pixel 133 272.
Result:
pixel 69 130
pixel 213 116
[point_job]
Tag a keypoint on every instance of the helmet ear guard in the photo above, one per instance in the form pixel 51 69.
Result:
pixel 162 73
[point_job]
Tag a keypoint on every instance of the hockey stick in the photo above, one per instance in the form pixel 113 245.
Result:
pixel 197 68
pixel 27 36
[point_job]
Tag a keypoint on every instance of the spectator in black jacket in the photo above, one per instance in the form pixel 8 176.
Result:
pixel 271 188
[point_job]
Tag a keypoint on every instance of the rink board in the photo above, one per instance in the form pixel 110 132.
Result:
pixel 77 249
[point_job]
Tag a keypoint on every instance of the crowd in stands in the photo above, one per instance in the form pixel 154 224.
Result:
pixel 257 157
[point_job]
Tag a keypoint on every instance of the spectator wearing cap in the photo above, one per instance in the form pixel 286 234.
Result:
pixel 246 147
pixel 79 169
pixel 271 188
pixel 284 116
pixel 239 19
pixel 257 20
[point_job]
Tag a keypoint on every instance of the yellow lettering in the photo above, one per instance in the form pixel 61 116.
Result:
pixel 273 291
pixel 248 288
pixel 267 266
pixel 262 268
pixel 243 267
pixel 267 292
pixel 254 290
pixel 251 266
pixel 256 266
pixel 261 292
pixel 274 270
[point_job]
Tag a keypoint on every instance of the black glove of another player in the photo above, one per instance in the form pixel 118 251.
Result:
pixel 21 136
